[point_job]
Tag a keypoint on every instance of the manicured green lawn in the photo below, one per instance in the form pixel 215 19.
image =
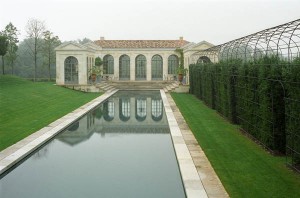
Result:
pixel 26 107
pixel 245 169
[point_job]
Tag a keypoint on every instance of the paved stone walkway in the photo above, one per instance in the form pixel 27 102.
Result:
pixel 209 179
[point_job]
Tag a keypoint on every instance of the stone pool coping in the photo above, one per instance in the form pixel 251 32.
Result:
pixel 199 178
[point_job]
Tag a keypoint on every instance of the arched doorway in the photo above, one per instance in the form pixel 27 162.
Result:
pixel 157 67
pixel 124 67
pixel 71 70
pixel 172 64
pixel 140 67
pixel 108 64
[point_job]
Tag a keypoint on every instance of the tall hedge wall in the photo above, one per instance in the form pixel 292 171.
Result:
pixel 292 109
pixel 262 96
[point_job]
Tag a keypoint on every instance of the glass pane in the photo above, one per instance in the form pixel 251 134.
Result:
pixel 124 67
pixel 108 64
pixel 172 64
pixel 140 67
pixel 157 67
pixel 71 70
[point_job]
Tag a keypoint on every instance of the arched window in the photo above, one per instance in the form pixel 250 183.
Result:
pixel 140 67
pixel 108 64
pixel 157 109
pixel 124 67
pixel 141 109
pixel 124 109
pixel 71 70
pixel 172 64
pixel 203 59
pixel 157 67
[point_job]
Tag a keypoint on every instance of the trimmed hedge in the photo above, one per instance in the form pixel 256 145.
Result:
pixel 261 96
pixel 292 109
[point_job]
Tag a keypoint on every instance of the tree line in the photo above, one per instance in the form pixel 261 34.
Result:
pixel 34 57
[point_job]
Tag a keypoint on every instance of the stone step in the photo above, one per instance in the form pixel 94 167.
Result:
pixel 102 85
pixel 107 87
pixel 175 84
pixel 169 88
pixel 172 86
pixel 128 85
pixel 111 89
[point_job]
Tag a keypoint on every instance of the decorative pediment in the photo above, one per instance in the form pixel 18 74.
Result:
pixel 200 46
pixel 73 46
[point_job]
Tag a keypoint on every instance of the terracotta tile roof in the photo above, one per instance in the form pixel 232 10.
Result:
pixel 141 43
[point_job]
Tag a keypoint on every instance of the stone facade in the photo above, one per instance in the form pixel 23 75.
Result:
pixel 73 60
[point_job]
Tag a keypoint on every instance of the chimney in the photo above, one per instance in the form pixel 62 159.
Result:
pixel 102 38
pixel 181 38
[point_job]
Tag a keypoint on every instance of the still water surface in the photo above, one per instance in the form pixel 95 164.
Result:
pixel 123 148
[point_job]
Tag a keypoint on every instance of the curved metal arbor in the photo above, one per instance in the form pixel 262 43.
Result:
pixel 282 40
pixel 261 90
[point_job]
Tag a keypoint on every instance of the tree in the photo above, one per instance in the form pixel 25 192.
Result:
pixel 98 61
pixel 84 41
pixel 35 29
pixel 11 32
pixel 3 49
pixel 50 42
pixel 24 62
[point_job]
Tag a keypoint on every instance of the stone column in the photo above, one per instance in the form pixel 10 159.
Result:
pixel 60 75
pixel 84 70
pixel 148 58
pixel 82 79
pixel 165 66
pixel 132 67
pixel 186 65
pixel 116 66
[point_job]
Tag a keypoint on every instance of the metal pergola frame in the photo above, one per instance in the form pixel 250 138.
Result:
pixel 282 40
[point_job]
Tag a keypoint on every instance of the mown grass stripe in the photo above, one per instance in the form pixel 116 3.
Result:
pixel 26 107
pixel 245 169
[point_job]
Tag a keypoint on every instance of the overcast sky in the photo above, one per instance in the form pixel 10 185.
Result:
pixel 216 21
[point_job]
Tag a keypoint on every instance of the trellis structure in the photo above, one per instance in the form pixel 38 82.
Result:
pixel 282 40
pixel 255 82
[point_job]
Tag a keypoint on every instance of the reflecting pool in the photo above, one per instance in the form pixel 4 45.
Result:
pixel 123 148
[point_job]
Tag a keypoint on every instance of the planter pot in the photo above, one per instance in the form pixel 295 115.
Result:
pixel 94 76
pixel 180 78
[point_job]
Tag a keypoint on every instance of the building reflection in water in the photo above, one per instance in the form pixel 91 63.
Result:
pixel 140 109
pixel 137 113
pixel 124 105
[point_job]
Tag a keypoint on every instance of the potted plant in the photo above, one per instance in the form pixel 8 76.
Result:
pixel 95 71
pixel 98 61
pixel 181 71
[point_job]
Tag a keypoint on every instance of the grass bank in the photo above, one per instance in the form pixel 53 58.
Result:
pixel 26 107
pixel 245 169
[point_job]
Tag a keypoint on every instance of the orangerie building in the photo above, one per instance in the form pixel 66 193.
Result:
pixel 125 60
